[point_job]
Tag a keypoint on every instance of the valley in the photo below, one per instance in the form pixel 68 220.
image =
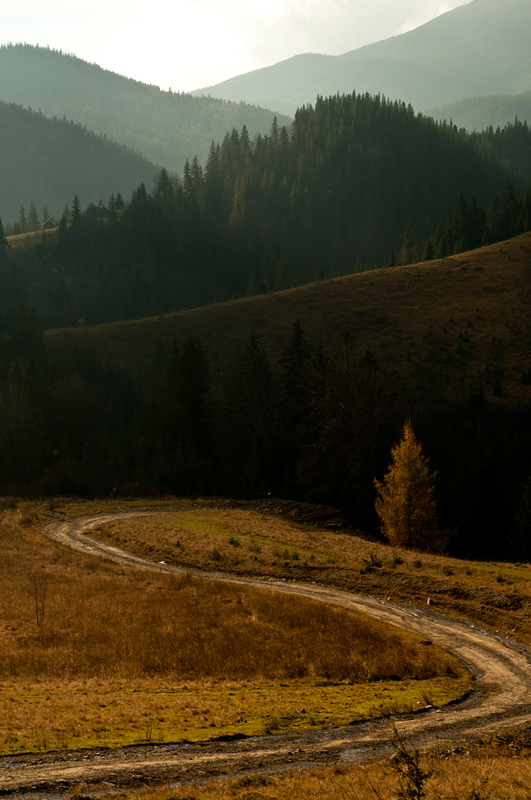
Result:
pixel 242 299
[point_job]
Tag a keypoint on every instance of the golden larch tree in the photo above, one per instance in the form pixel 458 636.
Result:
pixel 405 503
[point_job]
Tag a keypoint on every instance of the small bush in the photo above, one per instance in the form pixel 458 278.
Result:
pixel 397 561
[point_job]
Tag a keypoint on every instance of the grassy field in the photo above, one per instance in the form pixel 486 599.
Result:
pixel 465 318
pixel 94 654
pixel 498 771
pixel 101 667
pixel 264 538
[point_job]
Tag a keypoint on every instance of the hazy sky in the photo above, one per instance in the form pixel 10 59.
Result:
pixel 188 44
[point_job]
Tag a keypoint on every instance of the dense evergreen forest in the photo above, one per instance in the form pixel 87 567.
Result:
pixel 332 195
pixel 48 161
pixel 317 424
pixel 166 127
pixel 335 193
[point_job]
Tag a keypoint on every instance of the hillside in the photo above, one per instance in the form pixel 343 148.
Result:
pixel 238 399
pixel 50 161
pixel 299 394
pixel 477 49
pixel 167 127
pixel 337 196
pixel 460 318
pixel 477 113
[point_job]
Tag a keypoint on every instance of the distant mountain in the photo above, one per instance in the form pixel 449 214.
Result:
pixel 50 161
pixel 477 113
pixel 166 127
pixel 475 50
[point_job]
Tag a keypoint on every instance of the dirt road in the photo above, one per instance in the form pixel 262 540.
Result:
pixel 503 700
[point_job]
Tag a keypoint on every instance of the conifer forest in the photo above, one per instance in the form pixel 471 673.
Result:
pixel 357 183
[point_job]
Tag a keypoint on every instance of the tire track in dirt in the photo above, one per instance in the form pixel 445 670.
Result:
pixel 502 700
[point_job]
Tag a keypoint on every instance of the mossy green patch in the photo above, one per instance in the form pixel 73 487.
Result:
pixel 98 714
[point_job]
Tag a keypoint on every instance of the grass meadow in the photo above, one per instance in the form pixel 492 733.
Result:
pixel 263 539
pixel 94 654
pixel 486 774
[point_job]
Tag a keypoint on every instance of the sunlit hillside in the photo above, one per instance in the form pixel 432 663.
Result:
pixel 458 322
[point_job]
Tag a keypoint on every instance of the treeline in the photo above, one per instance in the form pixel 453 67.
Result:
pixel 167 127
pixel 48 161
pixel 317 425
pixel 482 112
pixel 468 226
pixel 331 196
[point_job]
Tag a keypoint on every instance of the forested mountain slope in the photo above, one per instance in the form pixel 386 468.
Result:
pixel 415 316
pixel 241 398
pixel 50 161
pixel 478 113
pixel 166 127
pixel 337 196
pixel 478 49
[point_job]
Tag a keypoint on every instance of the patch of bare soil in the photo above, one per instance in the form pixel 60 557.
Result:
pixel 502 701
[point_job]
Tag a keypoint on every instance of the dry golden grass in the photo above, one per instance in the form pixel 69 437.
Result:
pixel 454 318
pixel 454 777
pixel 246 540
pixel 189 629
pixel 92 653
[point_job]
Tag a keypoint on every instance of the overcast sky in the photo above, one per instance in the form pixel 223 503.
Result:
pixel 190 44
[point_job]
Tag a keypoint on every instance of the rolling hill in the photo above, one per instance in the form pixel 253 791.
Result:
pixel 478 49
pixel 445 344
pixel 166 127
pixel 455 321
pixel 300 394
pixel 50 161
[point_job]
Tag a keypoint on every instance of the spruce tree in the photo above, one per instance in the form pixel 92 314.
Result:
pixel 3 242
pixel 33 219
pixel 405 504
pixel 22 219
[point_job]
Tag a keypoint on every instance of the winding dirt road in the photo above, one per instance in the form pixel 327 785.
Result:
pixel 503 700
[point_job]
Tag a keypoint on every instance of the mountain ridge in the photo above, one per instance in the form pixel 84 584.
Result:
pixel 474 31
pixel 166 127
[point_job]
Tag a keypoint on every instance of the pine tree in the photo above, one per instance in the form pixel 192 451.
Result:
pixel 405 504
pixel 76 211
pixel 33 219
pixel 3 242
pixel 22 219
pixel 407 253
